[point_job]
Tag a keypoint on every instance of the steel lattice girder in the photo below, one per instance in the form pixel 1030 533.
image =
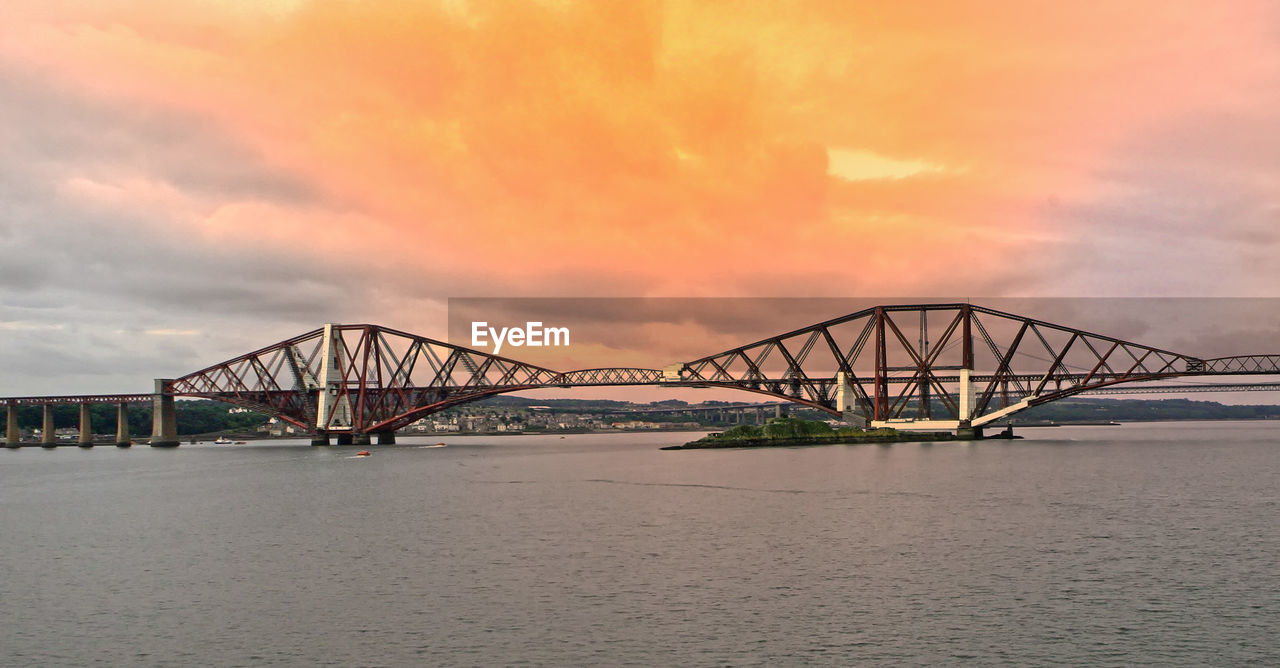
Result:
pixel 1242 364
pixel 383 379
pixel 608 376
pixel 1011 359
pixel 387 378
pixel 79 399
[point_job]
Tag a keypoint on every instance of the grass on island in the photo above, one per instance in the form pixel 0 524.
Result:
pixel 791 428
pixel 785 431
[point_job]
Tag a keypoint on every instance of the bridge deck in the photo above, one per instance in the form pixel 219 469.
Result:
pixel 79 399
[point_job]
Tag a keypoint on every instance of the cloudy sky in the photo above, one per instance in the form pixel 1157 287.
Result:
pixel 183 182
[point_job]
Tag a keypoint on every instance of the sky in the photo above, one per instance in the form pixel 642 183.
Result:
pixel 184 182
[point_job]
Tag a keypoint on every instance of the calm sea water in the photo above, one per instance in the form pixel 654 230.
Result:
pixel 1143 544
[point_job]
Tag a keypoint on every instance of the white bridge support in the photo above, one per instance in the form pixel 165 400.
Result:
pixel 847 401
pixel 964 425
pixel 967 426
pixel 996 415
pixel 333 406
pixel 966 395
pixel 912 424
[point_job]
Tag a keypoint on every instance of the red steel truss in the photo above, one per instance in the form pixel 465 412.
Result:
pixel 920 362
pixel 79 399
pixel 910 361
pixel 379 379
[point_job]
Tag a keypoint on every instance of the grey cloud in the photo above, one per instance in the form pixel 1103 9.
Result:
pixel 53 125
pixel 1188 208
pixel 1209 177
pixel 81 284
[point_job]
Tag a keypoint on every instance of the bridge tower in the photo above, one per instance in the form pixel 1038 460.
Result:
pixel 333 405
pixel 847 400
pixel 964 428
pixel 881 392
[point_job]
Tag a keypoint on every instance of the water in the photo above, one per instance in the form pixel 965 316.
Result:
pixel 1143 544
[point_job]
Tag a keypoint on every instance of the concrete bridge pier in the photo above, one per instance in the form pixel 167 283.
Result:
pixel 846 401
pixel 386 438
pixel 320 438
pixel 86 427
pixel 967 432
pixel 123 440
pixel 164 420
pixel 12 436
pixel 361 439
pixel 48 439
pixel 344 438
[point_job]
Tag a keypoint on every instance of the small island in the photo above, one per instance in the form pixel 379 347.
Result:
pixel 784 432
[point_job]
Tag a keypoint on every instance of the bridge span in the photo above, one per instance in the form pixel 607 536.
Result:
pixel 953 366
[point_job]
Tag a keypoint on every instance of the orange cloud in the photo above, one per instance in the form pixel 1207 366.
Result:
pixel 678 147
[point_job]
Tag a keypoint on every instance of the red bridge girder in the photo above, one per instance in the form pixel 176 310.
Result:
pixel 953 361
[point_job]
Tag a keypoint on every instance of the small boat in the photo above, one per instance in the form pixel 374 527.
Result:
pixel 362 453
pixel 222 440
pixel 440 443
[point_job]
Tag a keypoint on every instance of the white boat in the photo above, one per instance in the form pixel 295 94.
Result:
pixel 223 440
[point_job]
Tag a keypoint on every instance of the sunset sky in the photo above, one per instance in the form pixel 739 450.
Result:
pixel 181 182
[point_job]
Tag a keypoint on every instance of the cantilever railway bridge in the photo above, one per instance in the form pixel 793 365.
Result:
pixel 937 366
